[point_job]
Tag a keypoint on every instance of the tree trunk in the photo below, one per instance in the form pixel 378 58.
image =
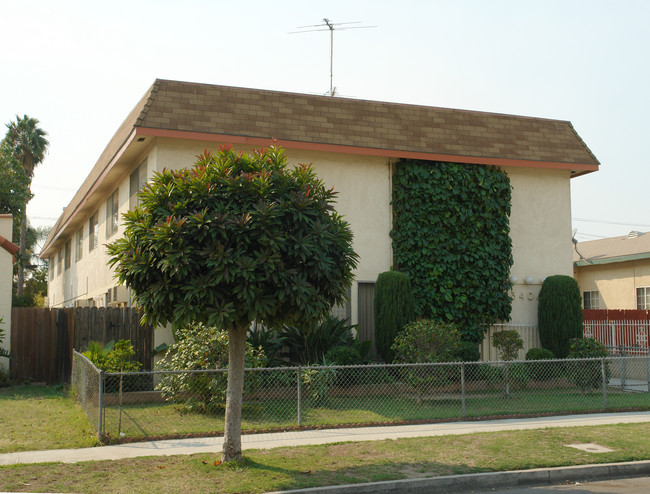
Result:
pixel 234 394
pixel 21 260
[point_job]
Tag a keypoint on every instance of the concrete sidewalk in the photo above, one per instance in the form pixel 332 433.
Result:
pixel 301 438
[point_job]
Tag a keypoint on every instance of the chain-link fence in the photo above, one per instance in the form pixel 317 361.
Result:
pixel 185 403
pixel 85 382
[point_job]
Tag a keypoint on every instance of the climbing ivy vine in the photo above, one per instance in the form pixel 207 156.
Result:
pixel 451 235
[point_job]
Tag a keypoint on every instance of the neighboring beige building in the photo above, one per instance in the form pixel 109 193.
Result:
pixel 7 252
pixel 614 273
pixel 353 145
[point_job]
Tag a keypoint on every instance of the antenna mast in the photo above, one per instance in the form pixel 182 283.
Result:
pixel 330 26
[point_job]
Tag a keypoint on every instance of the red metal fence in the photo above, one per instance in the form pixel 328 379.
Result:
pixel 625 331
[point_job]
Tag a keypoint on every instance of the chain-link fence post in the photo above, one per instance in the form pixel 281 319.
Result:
pixel 603 371
pixel 462 386
pixel 100 406
pixel 621 365
pixel 299 397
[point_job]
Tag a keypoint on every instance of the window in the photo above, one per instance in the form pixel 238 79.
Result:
pixel 59 261
pixel 93 232
pixel 79 250
pixel 643 298
pixel 591 300
pixel 136 182
pixel 68 254
pixel 50 267
pixel 112 211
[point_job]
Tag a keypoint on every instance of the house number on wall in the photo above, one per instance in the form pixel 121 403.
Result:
pixel 522 295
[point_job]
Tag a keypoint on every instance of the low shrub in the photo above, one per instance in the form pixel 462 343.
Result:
pixel 309 344
pixel 427 341
pixel 493 375
pixel 118 357
pixel 270 341
pixel 318 382
pixel 203 348
pixel 467 351
pixel 343 355
pixel 587 374
pixel 508 343
pixel 4 372
pixel 3 352
pixel 519 375
pixel 539 354
pixel 542 371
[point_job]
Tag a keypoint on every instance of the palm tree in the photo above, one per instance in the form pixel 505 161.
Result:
pixel 27 144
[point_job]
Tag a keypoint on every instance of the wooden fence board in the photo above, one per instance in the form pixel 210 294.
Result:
pixel 42 339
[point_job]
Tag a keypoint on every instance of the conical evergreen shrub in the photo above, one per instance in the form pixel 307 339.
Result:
pixel 394 308
pixel 559 314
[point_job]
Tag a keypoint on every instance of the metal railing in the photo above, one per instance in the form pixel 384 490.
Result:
pixel 191 403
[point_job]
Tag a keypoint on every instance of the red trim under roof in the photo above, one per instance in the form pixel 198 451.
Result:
pixel 8 245
pixel 576 168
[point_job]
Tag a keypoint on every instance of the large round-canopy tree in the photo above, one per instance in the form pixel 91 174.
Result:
pixel 236 238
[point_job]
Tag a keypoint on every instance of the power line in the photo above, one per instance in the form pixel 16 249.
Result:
pixel 588 220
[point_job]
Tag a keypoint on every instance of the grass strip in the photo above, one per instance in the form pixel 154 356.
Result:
pixel 166 419
pixel 333 464
pixel 42 417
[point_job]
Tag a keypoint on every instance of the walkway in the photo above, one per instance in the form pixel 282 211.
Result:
pixel 302 438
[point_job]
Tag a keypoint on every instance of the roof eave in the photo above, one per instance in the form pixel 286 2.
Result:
pixel 575 168
pixel 612 260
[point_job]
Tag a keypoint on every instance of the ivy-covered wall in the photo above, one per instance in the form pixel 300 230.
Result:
pixel 451 235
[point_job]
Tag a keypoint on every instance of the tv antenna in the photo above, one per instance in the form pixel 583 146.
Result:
pixel 331 27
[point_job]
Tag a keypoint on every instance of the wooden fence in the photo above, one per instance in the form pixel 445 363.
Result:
pixel 42 339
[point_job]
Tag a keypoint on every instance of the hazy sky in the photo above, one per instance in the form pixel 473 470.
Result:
pixel 81 66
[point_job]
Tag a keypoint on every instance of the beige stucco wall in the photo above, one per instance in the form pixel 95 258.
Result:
pixel 540 222
pixel 363 184
pixel 540 228
pixel 616 282
pixel 6 274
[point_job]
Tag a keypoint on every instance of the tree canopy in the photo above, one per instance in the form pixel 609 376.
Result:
pixel 14 184
pixel 236 238
pixel 24 144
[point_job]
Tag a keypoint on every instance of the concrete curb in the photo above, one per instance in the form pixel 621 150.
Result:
pixel 492 480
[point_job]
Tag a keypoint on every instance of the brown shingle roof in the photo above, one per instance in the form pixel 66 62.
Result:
pixel 635 245
pixel 349 125
pixel 366 124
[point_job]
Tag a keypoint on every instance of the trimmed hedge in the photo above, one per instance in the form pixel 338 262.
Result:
pixel 559 314
pixel 394 308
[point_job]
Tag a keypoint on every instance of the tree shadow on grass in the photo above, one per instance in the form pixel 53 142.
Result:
pixel 297 479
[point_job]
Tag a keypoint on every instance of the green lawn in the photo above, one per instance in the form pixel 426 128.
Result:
pixel 142 420
pixel 39 417
pixel 332 464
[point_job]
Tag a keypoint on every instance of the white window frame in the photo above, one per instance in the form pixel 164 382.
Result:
pixel 137 179
pixel 79 247
pixel 112 213
pixel 93 231
pixel 591 299
pixel 643 297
